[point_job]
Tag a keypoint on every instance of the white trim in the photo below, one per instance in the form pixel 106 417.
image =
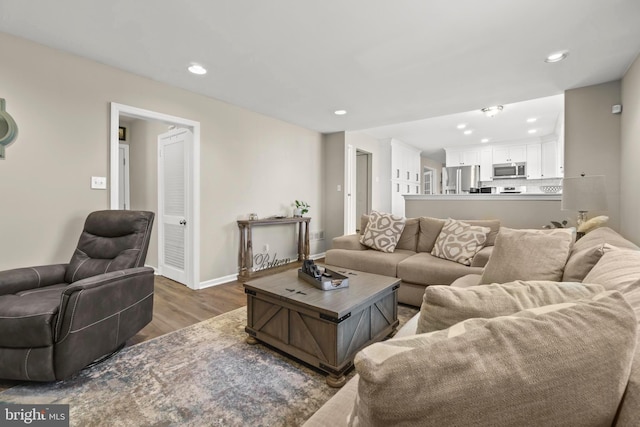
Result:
pixel 127 200
pixel 138 113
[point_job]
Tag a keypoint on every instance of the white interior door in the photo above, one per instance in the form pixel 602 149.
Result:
pixel 123 177
pixel 174 218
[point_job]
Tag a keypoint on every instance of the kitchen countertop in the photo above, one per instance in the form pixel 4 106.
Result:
pixel 485 196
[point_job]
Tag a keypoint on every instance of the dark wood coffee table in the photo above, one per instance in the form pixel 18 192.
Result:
pixel 322 328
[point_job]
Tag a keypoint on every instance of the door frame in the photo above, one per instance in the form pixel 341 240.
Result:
pixel 118 110
pixel 127 186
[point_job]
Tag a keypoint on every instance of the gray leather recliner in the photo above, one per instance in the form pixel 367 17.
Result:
pixel 57 319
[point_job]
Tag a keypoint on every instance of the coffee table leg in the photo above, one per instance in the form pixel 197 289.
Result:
pixel 251 340
pixel 336 382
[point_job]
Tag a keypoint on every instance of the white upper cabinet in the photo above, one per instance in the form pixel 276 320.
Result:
pixel 486 164
pixel 551 166
pixel 462 157
pixel 534 163
pixel 510 154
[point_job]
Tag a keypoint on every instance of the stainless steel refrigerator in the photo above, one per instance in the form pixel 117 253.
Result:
pixel 460 179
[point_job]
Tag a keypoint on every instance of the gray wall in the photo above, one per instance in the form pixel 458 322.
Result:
pixel 592 140
pixel 249 162
pixel 334 154
pixel 630 154
pixel 531 213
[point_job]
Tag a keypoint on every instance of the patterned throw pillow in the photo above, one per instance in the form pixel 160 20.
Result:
pixel 383 231
pixel 459 241
pixel 527 369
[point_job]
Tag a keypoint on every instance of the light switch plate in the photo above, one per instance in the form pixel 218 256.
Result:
pixel 99 182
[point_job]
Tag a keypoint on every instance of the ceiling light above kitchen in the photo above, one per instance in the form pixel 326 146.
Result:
pixel 484 140
pixel 532 131
pixel 197 69
pixel 461 126
pixel 468 132
pixel 340 112
pixel 492 111
pixel 532 120
pixel 557 56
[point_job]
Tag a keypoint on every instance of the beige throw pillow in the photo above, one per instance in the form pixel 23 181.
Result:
pixel 528 255
pixel 444 306
pixel 529 369
pixel 383 231
pixel 618 269
pixel 459 241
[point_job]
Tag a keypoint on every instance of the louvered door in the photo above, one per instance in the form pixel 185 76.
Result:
pixel 173 157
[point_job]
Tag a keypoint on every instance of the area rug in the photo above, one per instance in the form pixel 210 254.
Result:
pixel 204 374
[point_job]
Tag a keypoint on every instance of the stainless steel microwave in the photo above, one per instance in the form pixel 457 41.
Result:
pixel 509 170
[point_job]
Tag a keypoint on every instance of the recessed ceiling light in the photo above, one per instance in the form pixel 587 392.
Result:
pixel 532 131
pixel 197 69
pixel 484 140
pixel 461 126
pixel 492 111
pixel 532 120
pixel 340 112
pixel 468 132
pixel 557 56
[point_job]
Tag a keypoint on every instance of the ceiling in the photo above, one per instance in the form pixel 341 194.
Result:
pixel 385 62
pixel 510 125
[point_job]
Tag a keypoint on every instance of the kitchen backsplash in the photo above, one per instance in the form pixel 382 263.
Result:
pixel 531 185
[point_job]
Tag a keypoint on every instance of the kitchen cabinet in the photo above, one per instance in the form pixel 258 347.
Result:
pixel 486 164
pixel 466 157
pixel 534 162
pixel 510 154
pixel 551 167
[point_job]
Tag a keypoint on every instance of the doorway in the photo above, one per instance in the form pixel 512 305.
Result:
pixel 428 179
pixel 364 189
pixel 118 111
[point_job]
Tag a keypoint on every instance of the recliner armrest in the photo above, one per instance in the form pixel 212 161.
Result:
pixel 94 299
pixel 22 279
pixel 349 241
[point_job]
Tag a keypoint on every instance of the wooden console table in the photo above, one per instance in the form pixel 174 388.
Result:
pixel 245 254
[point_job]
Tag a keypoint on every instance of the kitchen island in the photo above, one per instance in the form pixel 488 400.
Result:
pixel 525 210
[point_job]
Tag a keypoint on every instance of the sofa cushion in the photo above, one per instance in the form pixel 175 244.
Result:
pixel 581 262
pixel 602 235
pixel 408 239
pixel 529 255
pixel 28 317
pixel 618 269
pixel 528 369
pixel 370 261
pixel 430 230
pixel 383 231
pixel 426 269
pixel 459 241
pixel 444 306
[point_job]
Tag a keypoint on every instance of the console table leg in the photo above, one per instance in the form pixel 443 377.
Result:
pixel 336 382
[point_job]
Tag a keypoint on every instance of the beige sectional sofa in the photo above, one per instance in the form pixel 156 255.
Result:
pixel 598 384
pixel 411 261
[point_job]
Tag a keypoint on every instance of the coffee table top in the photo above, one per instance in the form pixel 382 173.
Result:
pixel 363 288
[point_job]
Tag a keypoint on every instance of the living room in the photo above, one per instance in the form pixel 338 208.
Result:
pixel 251 162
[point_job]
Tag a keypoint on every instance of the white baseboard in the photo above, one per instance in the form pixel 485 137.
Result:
pixel 230 278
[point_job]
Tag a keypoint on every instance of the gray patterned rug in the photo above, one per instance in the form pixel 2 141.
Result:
pixel 202 375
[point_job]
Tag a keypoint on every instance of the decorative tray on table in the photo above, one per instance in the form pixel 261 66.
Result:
pixel 322 278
